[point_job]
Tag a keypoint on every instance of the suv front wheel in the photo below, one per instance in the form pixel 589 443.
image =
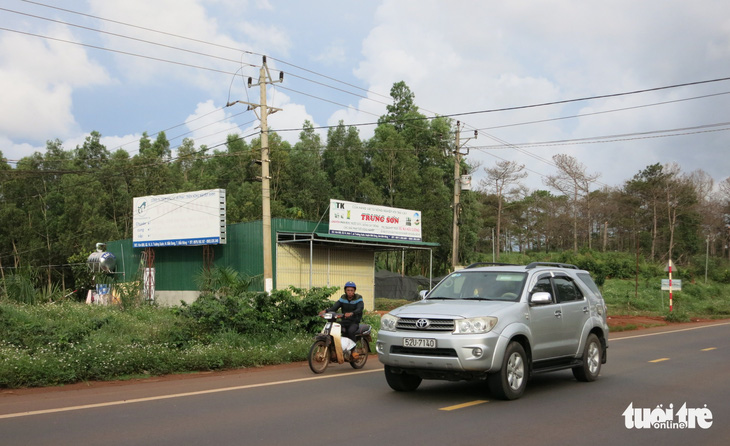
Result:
pixel 591 363
pixel 402 382
pixel 510 382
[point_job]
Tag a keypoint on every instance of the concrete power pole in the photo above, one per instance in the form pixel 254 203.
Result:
pixel 265 78
pixel 457 193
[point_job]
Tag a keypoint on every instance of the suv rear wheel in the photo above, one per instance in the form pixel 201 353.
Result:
pixel 510 382
pixel 591 364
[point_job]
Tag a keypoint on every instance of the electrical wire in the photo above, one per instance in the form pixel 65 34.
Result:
pixel 306 94
pixel 707 128
pixel 196 52
pixel 310 71
pixel 604 111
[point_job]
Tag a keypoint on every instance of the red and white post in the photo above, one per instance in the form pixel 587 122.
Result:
pixel 670 286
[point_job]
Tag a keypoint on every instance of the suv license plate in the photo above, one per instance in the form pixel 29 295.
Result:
pixel 419 342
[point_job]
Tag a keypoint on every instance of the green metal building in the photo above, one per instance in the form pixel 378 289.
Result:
pixel 304 255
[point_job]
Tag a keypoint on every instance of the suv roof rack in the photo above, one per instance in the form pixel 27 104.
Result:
pixel 560 265
pixel 478 264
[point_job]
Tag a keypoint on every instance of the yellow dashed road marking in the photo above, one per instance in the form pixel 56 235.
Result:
pixel 461 406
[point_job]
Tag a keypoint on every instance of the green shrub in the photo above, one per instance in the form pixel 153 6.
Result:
pixel 384 304
pixel 259 312
pixel 677 316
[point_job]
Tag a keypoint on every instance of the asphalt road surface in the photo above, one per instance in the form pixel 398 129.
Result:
pixel 663 386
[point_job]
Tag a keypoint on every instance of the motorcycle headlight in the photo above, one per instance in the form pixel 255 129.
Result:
pixel 388 322
pixel 475 325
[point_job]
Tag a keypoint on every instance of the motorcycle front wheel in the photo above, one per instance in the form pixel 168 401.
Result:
pixel 361 347
pixel 319 357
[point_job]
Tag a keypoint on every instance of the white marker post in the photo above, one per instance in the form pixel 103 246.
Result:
pixel 670 285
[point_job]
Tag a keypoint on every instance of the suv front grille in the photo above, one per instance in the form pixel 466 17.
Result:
pixel 445 352
pixel 418 324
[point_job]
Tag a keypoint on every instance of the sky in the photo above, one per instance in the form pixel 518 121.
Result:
pixel 617 85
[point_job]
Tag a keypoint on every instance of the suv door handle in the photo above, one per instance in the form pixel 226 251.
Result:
pixel 558 313
pixel 585 310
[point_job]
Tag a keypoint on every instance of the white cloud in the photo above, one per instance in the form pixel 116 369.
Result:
pixel 210 125
pixel 209 46
pixel 39 77
pixel 332 54
pixel 13 152
pixel 470 57
pixel 461 57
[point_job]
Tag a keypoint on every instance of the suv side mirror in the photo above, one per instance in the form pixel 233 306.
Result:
pixel 541 298
pixel 423 294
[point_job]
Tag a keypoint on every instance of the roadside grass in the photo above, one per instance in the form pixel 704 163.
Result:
pixel 383 304
pixel 627 327
pixel 695 300
pixel 64 343
pixel 67 342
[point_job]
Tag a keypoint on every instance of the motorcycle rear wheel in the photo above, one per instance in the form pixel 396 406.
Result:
pixel 319 357
pixel 361 347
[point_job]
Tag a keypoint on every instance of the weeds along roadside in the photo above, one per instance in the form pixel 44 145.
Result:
pixel 67 342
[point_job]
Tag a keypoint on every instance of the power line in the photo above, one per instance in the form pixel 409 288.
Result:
pixel 197 52
pixel 604 111
pixel 124 37
pixel 141 27
pixel 327 77
pixel 306 94
pixel 621 137
pixel 126 53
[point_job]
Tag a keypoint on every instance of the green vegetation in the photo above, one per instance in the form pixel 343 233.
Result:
pixel 57 203
pixel 46 339
pixel 383 304
pixel 696 300
pixel 67 342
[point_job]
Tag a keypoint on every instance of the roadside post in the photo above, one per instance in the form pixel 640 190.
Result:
pixel 668 285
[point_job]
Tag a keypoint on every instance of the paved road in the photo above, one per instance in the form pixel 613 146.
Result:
pixel 682 368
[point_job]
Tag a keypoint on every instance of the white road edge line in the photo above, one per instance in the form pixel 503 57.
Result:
pixel 666 332
pixel 177 395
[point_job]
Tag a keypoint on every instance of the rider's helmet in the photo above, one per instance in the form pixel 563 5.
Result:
pixel 351 285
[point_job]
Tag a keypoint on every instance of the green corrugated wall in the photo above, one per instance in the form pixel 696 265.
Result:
pixel 178 266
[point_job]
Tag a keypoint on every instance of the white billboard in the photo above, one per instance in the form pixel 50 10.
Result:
pixel 367 220
pixel 183 219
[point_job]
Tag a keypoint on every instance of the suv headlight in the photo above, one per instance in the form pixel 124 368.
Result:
pixel 388 322
pixel 475 325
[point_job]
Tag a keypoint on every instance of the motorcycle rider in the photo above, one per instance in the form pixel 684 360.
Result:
pixel 352 307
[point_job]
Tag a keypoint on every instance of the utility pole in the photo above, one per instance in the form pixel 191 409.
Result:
pixel 264 78
pixel 457 193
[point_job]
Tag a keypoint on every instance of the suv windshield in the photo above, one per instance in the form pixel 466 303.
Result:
pixel 486 285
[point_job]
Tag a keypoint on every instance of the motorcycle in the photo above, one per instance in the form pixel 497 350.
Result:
pixel 328 345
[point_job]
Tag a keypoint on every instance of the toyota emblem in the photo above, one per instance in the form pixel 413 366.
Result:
pixel 423 324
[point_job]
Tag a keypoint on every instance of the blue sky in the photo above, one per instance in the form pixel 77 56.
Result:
pixel 457 57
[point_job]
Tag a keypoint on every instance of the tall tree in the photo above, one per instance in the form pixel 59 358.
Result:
pixel 573 181
pixel 499 179
pixel 305 187
pixel 649 185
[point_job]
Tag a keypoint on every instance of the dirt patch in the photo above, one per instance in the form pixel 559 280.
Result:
pixel 634 322
pixel 619 323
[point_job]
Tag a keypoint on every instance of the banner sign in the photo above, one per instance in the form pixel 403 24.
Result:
pixel 183 219
pixel 676 284
pixel 367 220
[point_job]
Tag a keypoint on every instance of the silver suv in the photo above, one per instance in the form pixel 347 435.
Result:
pixel 499 323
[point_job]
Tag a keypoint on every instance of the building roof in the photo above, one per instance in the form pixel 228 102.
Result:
pixel 379 244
